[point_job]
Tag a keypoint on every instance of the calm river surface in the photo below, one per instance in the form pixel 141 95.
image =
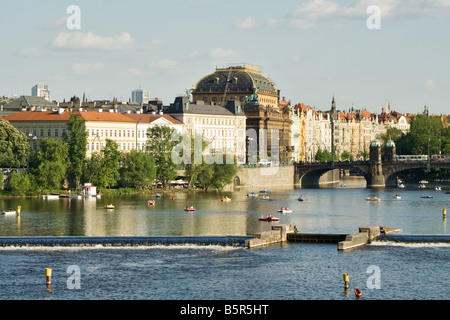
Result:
pixel 292 271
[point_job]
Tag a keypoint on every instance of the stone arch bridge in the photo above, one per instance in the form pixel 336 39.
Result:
pixel 377 174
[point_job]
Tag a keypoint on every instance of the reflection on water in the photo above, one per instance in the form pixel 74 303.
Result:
pixel 342 209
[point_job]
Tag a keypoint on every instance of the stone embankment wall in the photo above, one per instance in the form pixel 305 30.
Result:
pixel 264 177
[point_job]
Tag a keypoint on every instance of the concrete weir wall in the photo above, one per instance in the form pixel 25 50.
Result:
pixel 363 237
pixel 276 235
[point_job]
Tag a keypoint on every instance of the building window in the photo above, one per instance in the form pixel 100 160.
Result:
pixel 49 132
pixel 56 132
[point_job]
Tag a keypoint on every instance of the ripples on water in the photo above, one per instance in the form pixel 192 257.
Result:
pixel 192 271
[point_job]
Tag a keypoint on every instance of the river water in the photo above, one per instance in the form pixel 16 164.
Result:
pixel 194 271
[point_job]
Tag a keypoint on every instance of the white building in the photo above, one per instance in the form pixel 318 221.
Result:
pixel 222 127
pixel 147 120
pixel 41 90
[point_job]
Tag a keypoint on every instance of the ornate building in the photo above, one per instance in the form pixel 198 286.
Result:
pixel 268 124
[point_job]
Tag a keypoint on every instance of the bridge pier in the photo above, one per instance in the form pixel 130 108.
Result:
pixel 376 181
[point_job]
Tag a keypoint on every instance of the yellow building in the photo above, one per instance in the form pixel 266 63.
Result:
pixel 100 126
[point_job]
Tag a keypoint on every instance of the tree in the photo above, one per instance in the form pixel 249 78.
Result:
pixel 137 170
pixel 22 184
pixel 109 172
pixel 196 163
pixel 427 135
pixel 159 146
pixel 14 146
pixel 52 164
pixel 76 140
pixel 323 156
pixel 93 168
pixel 216 175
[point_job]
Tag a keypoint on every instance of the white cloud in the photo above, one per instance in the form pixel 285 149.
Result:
pixel 86 68
pixel 306 14
pixel 166 64
pixel 246 23
pixel 90 41
pixel 222 53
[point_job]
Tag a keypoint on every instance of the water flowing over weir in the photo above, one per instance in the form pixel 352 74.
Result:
pixel 416 238
pixel 118 241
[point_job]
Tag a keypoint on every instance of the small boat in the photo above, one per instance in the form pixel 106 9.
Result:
pixel 401 185
pixel 252 194
pixel 151 202
pixel 423 181
pixel 421 186
pixel 426 196
pixel 447 192
pixel 8 212
pixel 438 188
pixel 396 196
pixel 225 199
pixel 373 198
pixel 343 185
pixel 268 218
pixel 300 199
pixel 189 208
pixel 158 195
pixel 264 191
pixel 109 206
pixel 285 210
pixel 358 293
pixel 266 197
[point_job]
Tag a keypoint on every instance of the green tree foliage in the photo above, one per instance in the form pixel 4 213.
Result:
pixel 109 171
pixel 76 140
pixel 196 163
pixel 160 145
pixel 216 175
pixel 428 135
pixel 138 169
pixel 323 156
pixel 93 168
pixel 22 184
pixel 52 163
pixel 14 146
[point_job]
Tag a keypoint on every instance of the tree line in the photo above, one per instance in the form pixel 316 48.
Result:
pixel 62 164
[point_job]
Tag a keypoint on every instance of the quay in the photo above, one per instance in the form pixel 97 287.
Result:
pixel 345 242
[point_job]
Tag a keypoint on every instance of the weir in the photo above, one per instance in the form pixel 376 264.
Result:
pixel 125 241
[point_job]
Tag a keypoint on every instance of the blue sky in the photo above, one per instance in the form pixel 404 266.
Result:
pixel 311 49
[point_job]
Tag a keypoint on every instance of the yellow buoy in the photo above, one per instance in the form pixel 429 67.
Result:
pixel 444 212
pixel 48 275
pixel 18 210
pixel 345 277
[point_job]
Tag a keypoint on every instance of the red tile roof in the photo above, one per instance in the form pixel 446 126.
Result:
pixel 149 118
pixel 65 116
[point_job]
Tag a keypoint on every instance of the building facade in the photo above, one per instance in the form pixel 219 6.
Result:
pixel 221 127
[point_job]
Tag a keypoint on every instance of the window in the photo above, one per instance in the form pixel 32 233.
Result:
pixel 49 132
pixel 56 132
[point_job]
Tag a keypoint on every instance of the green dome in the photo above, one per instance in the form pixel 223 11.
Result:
pixel 375 143
pixel 390 144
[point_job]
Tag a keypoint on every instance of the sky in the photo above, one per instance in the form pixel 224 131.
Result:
pixel 365 53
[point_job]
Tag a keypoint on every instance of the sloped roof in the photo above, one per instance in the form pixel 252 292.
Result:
pixel 28 102
pixel 149 118
pixel 65 116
